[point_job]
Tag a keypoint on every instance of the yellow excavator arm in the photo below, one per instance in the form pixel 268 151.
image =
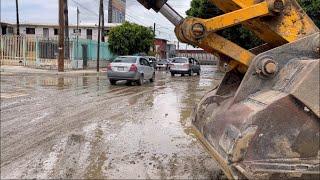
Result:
pixel 262 121
pixel 276 22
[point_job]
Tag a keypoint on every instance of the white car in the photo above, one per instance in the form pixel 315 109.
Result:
pixel 130 68
pixel 183 65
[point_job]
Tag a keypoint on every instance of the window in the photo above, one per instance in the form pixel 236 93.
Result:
pixel 56 31
pixel 144 62
pixel 30 31
pixel 141 61
pixel 77 31
pixel 89 33
pixel 147 63
pixel 4 30
pixel 123 59
pixel 180 60
pixel 10 30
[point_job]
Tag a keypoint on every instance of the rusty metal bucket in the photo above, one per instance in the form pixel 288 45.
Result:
pixel 266 125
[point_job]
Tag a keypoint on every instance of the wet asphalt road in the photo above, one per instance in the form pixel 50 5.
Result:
pixel 78 126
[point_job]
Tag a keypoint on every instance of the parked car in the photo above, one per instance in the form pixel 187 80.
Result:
pixel 130 68
pixel 163 64
pixel 153 61
pixel 183 65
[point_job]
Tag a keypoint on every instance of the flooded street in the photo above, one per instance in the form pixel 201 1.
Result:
pixel 78 126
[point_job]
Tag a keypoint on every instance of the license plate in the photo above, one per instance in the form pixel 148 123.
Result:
pixel 120 68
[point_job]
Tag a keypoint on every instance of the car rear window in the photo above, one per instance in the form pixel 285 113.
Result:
pixel 179 60
pixel 125 60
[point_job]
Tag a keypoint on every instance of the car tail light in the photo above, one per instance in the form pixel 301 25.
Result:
pixel 109 67
pixel 133 67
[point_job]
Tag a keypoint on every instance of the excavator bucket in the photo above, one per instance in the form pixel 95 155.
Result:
pixel 266 125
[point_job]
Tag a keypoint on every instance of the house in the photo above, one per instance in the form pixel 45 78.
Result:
pixel 161 48
pixel 52 30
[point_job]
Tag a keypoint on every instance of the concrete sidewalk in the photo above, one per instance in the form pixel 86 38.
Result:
pixel 27 70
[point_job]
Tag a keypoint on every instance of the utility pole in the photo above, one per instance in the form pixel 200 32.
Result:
pixel 17 14
pixel 78 31
pixel 154 33
pixel 102 16
pixel 99 35
pixel 61 37
pixel 66 28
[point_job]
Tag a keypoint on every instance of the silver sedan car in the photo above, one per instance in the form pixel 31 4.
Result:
pixel 130 68
pixel 183 65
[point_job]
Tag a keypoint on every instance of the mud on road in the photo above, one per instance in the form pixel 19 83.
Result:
pixel 58 126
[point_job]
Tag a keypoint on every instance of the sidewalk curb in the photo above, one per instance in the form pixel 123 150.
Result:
pixel 26 70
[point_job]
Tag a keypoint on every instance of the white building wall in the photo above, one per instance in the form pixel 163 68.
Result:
pixel 83 33
pixel 39 31
pixel 95 34
pixel 22 30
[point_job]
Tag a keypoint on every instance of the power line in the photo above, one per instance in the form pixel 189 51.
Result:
pixel 85 8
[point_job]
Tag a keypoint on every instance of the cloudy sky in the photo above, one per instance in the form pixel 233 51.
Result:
pixel 46 11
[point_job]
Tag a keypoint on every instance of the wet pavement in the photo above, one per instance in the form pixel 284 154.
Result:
pixel 78 126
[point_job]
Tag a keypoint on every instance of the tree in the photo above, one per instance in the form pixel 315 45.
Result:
pixel 312 8
pixel 245 38
pixel 130 38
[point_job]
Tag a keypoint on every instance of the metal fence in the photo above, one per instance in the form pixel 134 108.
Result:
pixel 43 52
pixel 204 57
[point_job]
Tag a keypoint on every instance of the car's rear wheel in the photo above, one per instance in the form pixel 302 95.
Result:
pixel 112 81
pixel 172 74
pixel 153 77
pixel 140 81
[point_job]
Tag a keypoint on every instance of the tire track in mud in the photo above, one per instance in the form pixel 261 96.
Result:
pixel 51 127
pixel 47 106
